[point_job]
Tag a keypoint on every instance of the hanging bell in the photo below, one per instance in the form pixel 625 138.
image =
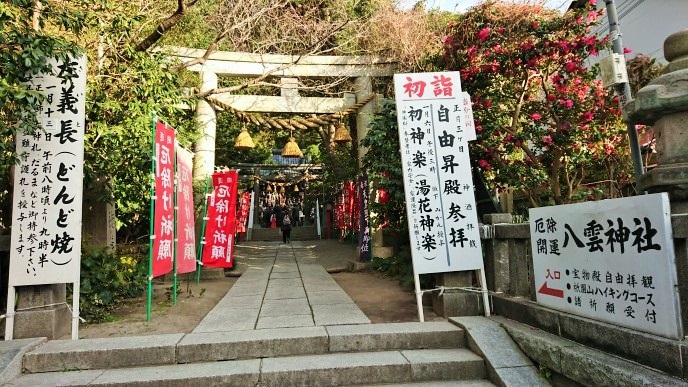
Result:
pixel 342 135
pixel 291 149
pixel 244 140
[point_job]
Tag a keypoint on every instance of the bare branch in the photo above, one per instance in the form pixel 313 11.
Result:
pixel 165 26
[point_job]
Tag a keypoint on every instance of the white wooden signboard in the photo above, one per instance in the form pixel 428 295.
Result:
pixel 48 186
pixel 440 203
pixel 610 260
pixel 438 184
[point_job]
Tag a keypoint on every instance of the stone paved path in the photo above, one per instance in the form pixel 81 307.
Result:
pixel 283 286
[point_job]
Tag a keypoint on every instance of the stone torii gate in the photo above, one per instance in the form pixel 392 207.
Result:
pixel 288 69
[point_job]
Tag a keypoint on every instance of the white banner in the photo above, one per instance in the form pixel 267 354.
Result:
pixel 610 260
pixel 440 202
pixel 48 182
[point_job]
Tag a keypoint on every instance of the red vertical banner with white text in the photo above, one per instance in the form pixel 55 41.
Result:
pixel 242 217
pixel 219 232
pixel 186 236
pixel 163 219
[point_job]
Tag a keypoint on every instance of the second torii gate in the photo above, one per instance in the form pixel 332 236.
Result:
pixel 289 69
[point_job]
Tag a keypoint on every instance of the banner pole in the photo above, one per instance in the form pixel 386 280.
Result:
pixel 176 219
pixel 419 297
pixel 149 302
pixel 199 251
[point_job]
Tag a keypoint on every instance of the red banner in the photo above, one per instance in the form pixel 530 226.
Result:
pixel 244 207
pixel 163 219
pixel 219 231
pixel 186 236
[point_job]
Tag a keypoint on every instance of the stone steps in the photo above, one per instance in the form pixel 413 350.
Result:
pixel 335 369
pixel 59 355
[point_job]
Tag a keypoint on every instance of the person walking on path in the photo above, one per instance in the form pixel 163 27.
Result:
pixel 286 228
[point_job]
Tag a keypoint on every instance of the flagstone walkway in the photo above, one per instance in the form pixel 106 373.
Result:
pixel 283 286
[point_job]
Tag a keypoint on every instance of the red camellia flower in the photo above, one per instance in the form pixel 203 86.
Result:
pixel 483 163
pixel 483 34
pixel 535 117
pixel 570 66
pixel 535 25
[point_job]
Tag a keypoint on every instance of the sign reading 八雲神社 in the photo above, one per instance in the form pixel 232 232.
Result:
pixel 610 260
pixel 48 181
pixel 440 203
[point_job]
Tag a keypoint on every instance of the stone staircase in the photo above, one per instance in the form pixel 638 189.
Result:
pixel 305 233
pixel 363 354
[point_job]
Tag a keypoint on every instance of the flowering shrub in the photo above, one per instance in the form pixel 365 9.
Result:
pixel 545 124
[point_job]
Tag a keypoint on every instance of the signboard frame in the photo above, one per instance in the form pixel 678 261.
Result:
pixel 438 183
pixel 610 260
pixel 65 92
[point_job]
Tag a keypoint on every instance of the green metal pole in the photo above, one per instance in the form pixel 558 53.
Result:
pixel 174 241
pixel 149 303
pixel 199 251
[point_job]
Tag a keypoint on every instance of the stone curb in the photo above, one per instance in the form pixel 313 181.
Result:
pixel 582 364
pixel 506 364
pixel 12 355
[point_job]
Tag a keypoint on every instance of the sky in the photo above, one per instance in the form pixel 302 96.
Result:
pixel 462 5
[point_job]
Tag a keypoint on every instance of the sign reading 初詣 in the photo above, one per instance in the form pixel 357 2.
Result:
pixel 610 260
pixel 438 183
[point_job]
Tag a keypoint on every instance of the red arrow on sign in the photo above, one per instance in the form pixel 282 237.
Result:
pixel 551 291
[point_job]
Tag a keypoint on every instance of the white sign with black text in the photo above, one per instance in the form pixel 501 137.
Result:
pixel 610 260
pixel 440 202
pixel 48 182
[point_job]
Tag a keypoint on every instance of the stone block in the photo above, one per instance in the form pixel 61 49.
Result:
pixel 684 355
pixel 383 251
pixel 232 373
pixel 339 369
pixel 355 266
pixel 512 231
pixel 497 218
pixel 527 312
pixel 457 303
pixel 679 226
pixel 520 268
pixel 71 378
pixel 205 347
pixel 276 293
pixel 59 355
pixel 299 320
pixel 654 351
pixel 52 322
pixel 292 306
pixel 517 376
pixel 382 337
pixel 594 368
pixel 497 265
pixel 488 339
pixel 339 314
pixel 444 364
pixel 542 347
pixel 12 354
pixel 328 297
pixel 224 320
pixel 285 274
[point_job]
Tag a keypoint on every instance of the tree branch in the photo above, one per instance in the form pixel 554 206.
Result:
pixel 165 26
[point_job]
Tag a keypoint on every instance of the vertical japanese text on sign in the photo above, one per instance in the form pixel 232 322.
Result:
pixel 219 233
pixel 163 219
pixel 186 235
pixel 437 174
pixel 48 183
